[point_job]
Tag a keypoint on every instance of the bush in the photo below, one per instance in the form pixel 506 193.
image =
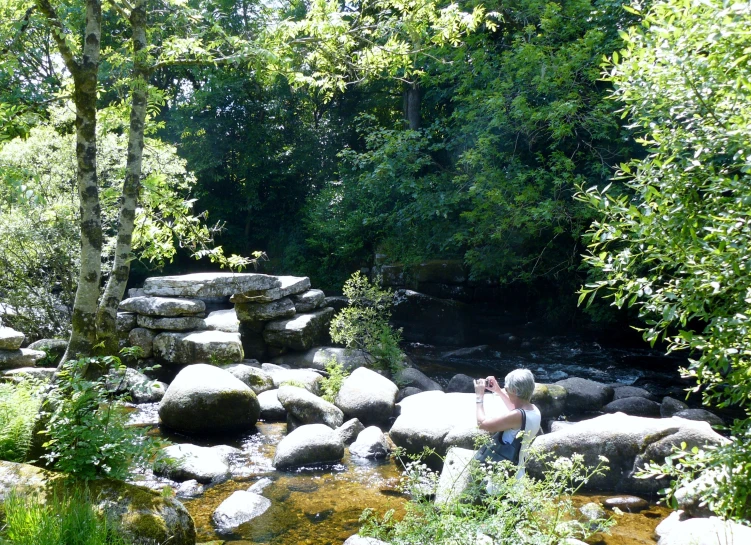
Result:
pixel 19 408
pixel 333 383
pixel 364 324
pixel 68 520
pixel 520 512
pixel 87 433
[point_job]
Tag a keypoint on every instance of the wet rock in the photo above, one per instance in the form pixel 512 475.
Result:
pixel 592 511
pixel 309 444
pixel 701 531
pixel 585 395
pixel 629 504
pixel 271 409
pixel 349 431
pixel 146 516
pixel 144 339
pixel 239 508
pixel 257 379
pixel 637 406
pixel 138 386
pixel 410 376
pixel 357 540
pixel 550 399
pixel 208 285
pixel 701 415
pixel 190 462
pixel 461 383
pixel 309 300
pixel 162 306
pixel 54 348
pixel 368 396
pixel 10 339
pixel 622 392
pixel 308 408
pixel 288 285
pixel 480 351
pixel 406 392
pixel 261 312
pixel 301 332
pixel 371 443
pixel 15 359
pixel 189 489
pixel 628 442
pixel 455 476
pixel 306 378
pixel 178 323
pixel 317 358
pixel 260 485
pixel 207 400
pixel 198 347
pixel 670 406
pixel 223 320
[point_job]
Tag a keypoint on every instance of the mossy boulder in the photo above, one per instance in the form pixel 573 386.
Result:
pixel 145 516
pixel 550 399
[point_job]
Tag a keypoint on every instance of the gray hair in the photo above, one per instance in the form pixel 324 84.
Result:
pixel 521 383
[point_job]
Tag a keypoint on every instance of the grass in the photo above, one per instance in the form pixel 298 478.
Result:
pixel 19 407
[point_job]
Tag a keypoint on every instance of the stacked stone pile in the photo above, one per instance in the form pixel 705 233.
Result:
pixel 12 356
pixel 168 317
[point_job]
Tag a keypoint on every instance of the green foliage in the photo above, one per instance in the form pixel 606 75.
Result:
pixel 519 512
pixel 87 433
pixel 331 385
pixel 70 519
pixel 676 247
pixel 293 382
pixel 364 324
pixel 19 409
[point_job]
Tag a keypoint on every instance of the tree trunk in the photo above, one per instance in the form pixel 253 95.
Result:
pixel 116 284
pixel 412 103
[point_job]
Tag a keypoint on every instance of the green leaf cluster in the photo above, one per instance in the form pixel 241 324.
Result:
pixel 19 408
pixel 331 384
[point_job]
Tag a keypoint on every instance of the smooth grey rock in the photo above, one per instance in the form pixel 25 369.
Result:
pixel 701 415
pixel 203 285
pixel 309 300
pixel 10 339
pixel 23 357
pixel 301 332
pixel 337 302
pixel 689 497
pixel 190 462
pixel 198 347
pixel 629 504
pixel 702 531
pixel 189 489
pixel 144 339
pixel 22 373
pixel 271 408
pixel 179 323
pixel 308 378
pixel 257 379
pixel 406 392
pixel 468 352
pixel 124 322
pixel 349 431
pixel 455 476
pixel 670 406
pixel 260 485
pixel 239 508
pixel 309 444
pixel 288 285
pixel 207 400
pixel 637 406
pixel 163 306
pixel 621 392
pixel 461 383
pixel 308 408
pixel 318 357
pixel 628 442
pixel 410 376
pixel 263 312
pixel 55 348
pixel 368 396
pixel 140 387
pixel 585 395
pixel 371 443
pixel 223 320
pixel 550 399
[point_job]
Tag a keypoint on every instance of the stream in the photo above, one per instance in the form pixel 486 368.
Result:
pixel 322 505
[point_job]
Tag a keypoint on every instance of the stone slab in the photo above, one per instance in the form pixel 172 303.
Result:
pixel 301 332
pixel 308 300
pixel 198 347
pixel 258 312
pixel 13 359
pixel 223 320
pixel 163 306
pixel 10 339
pixel 202 285
pixel 289 285
pixel 178 323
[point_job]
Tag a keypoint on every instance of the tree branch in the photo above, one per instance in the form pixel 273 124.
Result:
pixel 58 34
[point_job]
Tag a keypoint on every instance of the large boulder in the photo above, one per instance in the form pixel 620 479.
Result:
pixel 54 348
pixel 208 285
pixel 257 379
pixel 241 507
pixel 288 285
pixel 349 431
pixel 701 531
pixel 308 408
pixel 439 421
pixel 461 383
pixel 198 347
pixel 271 409
pixel 455 477
pixel 628 442
pixel 701 415
pixel 318 357
pixel 262 312
pixel 147 517
pixel 309 444
pixel 223 320
pixel 10 339
pixel 371 443
pixel 621 392
pixel 411 376
pixel 301 332
pixel 162 306
pixel 550 399
pixel 670 406
pixel 308 300
pixel 637 406
pixel 308 378
pixel 144 339
pixel 23 357
pixel 190 462
pixel 177 323
pixel 207 400
pixel 585 395
pixel 367 396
